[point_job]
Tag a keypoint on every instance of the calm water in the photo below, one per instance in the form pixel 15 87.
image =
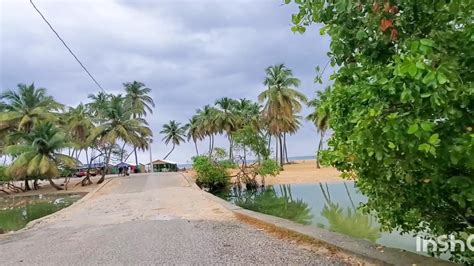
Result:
pixel 332 206
pixel 16 212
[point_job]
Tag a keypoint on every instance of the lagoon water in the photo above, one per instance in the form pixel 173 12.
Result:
pixel 17 211
pixel 332 206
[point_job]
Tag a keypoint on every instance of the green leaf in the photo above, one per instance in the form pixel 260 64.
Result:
pixel 424 147
pixel 413 129
pixel 429 78
pixel 434 139
pixel 427 126
pixel 441 78
pixel 361 34
pixel 391 145
pixel 427 42
pixel 425 95
pixel 287 2
pixel 420 65
pixel 412 70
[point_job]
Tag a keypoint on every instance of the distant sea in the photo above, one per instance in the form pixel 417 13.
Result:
pixel 189 165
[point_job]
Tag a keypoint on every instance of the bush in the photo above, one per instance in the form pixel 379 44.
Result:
pixel 211 175
pixel 229 164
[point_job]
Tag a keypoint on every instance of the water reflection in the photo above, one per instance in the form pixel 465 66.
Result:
pixel 16 212
pixel 350 220
pixel 277 203
pixel 333 206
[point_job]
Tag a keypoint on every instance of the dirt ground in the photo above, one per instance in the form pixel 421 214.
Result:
pixel 297 173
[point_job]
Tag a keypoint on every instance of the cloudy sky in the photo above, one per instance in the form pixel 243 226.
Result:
pixel 189 52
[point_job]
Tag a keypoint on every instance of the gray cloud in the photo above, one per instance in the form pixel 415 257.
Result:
pixel 188 52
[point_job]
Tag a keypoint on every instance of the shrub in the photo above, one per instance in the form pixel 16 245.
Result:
pixel 211 175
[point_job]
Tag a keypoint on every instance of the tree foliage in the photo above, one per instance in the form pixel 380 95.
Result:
pixel 402 108
pixel 211 174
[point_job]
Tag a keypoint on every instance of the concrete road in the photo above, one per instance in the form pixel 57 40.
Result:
pixel 149 219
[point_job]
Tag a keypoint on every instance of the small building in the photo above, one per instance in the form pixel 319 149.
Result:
pixel 164 166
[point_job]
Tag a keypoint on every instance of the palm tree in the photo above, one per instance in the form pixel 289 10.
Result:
pixel 282 101
pixel 320 117
pixel 27 106
pixel 78 123
pixel 37 155
pixel 206 119
pixel 98 103
pixel 174 133
pixel 118 124
pixel 226 121
pixel 193 133
pixel 139 101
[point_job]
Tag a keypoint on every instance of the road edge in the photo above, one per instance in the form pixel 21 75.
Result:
pixel 359 248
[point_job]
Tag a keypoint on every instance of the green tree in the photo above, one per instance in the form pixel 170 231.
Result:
pixel 26 106
pixel 37 155
pixel 117 124
pixel 402 110
pixel 139 101
pixel 78 123
pixel 320 118
pixel 206 119
pixel 192 132
pixel 282 102
pixel 174 133
pixel 225 119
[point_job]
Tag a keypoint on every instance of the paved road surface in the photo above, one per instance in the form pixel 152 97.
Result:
pixel 149 219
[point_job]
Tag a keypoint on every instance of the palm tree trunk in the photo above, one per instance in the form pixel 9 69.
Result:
pixel 284 147
pixel 281 150
pixel 196 147
pixel 51 182
pixel 230 147
pixel 136 159
pixel 169 152
pixel 106 165
pixel 122 152
pixel 210 146
pixel 27 184
pixel 319 149
pixel 276 149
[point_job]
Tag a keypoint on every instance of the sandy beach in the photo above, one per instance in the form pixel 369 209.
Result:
pixel 298 172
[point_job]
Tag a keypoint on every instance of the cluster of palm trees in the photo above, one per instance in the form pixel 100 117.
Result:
pixel 43 137
pixel 276 115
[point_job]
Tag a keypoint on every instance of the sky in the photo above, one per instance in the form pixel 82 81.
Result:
pixel 189 52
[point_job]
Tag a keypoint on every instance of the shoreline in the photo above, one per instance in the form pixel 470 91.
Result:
pixel 298 172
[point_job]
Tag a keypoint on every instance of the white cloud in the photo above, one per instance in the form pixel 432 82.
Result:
pixel 188 52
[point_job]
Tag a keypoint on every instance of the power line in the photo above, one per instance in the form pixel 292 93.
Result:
pixel 67 47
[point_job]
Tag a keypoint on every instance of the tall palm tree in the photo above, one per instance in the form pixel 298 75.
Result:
pixel 282 101
pixel 37 155
pixel 174 133
pixel 226 120
pixel 26 106
pixel 78 123
pixel 320 117
pixel 98 104
pixel 118 124
pixel 139 101
pixel 192 129
pixel 206 119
